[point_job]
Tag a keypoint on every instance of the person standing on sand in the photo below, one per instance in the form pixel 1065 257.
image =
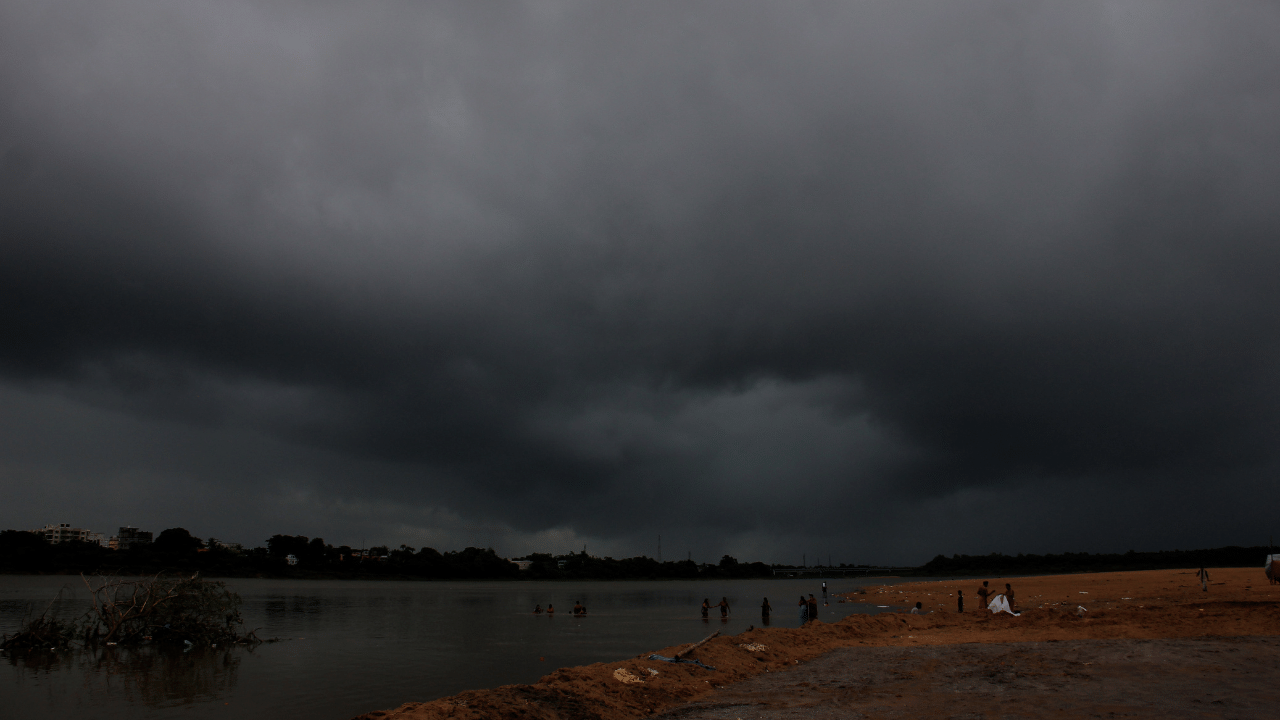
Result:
pixel 983 592
pixel 813 608
pixel 804 610
pixel 724 607
pixel 706 605
pixel 1008 595
pixel 1203 575
pixel 765 609
pixel 959 601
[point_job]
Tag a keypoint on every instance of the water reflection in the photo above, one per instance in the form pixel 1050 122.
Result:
pixel 356 646
pixel 158 677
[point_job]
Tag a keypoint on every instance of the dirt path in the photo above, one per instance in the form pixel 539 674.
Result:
pixel 1187 678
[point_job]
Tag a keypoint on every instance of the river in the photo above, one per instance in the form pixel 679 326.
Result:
pixel 356 646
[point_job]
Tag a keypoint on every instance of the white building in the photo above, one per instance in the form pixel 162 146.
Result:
pixel 63 532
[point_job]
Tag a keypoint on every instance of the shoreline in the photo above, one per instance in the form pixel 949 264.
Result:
pixel 1126 605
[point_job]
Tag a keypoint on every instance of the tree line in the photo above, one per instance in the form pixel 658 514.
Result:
pixel 176 550
pixel 997 564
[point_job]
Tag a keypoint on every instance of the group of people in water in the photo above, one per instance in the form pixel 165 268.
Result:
pixel 808 609
pixel 723 605
pixel 579 609
pixel 809 606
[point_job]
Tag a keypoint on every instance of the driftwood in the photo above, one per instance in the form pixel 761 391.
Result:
pixel 696 645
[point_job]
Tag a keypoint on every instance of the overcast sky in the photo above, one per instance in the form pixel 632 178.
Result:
pixel 872 281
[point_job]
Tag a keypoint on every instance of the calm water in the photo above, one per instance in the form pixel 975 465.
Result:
pixel 358 646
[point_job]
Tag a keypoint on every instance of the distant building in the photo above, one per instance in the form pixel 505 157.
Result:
pixel 523 564
pixel 291 559
pixel 63 532
pixel 128 537
pixel 212 543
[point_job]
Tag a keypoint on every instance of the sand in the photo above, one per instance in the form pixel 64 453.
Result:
pixel 1124 608
pixel 1062 679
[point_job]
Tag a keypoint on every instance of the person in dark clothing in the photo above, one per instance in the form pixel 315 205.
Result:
pixel 959 601
pixel 804 610
pixel 1008 595
pixel 706 605
pixel 813 608
pixel 537 609
pixel 724 606
pixel 765 609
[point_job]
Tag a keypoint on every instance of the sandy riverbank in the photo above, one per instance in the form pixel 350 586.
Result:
pixel 1158 604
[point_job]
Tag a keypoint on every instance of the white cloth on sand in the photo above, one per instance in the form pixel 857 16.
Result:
pixel 1001 604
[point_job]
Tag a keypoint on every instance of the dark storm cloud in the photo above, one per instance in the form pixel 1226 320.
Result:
pixel 745 271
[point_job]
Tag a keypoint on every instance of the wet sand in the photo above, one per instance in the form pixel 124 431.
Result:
pixel 1214 639
pixel 1188 678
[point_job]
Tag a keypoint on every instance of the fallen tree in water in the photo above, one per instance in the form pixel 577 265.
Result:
pixel 186 610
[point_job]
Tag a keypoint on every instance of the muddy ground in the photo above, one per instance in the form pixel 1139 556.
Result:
pixel 1184 678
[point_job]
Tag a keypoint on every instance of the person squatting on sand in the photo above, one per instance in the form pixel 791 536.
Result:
pixel 918 609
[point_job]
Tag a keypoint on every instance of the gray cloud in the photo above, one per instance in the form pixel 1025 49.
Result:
pixel 760 278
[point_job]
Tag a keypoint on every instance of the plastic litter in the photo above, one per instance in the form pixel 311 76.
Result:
pixel 626 676
pixel 1001 604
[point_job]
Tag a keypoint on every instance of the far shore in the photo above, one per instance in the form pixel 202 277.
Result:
pixel 1116 606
